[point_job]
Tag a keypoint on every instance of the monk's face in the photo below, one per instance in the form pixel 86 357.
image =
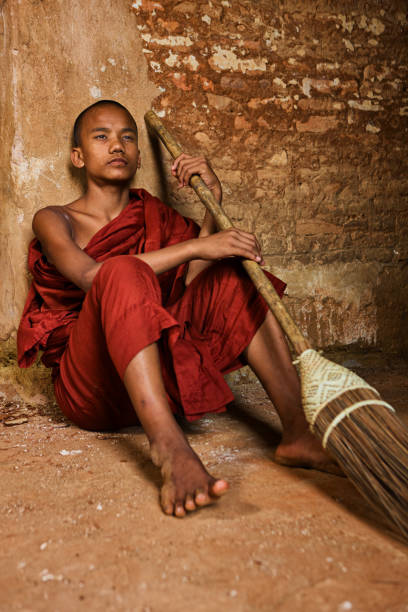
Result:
pixel 108 148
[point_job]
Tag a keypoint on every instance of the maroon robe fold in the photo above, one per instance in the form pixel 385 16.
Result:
pixel 201 329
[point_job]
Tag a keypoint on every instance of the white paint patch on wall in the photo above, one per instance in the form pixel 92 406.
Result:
pixel 172 60
pixel 306 86
pixel 25 171
pixel 226 59
pixel 365 105
pixel 170 41
pixel 155 66
pixel 277 81
pixel 346 25
pixel 348 44
pixel 95 92
pixel 279 159
pixel 370 127
pixel 191 62
pixel 376 26
pixel 326 66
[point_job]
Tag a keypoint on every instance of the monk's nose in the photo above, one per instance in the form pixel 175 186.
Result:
pixel 116 146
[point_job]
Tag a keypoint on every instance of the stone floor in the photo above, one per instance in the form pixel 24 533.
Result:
pixel 81 528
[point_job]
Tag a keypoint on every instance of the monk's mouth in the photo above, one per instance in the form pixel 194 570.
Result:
pixel 119 161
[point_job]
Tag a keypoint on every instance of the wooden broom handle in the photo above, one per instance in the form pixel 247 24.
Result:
pixel 261 282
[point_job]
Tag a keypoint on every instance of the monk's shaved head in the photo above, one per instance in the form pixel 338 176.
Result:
pixel 76 134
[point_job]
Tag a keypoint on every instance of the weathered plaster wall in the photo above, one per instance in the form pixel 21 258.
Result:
pixel 57 57
pixel 301 107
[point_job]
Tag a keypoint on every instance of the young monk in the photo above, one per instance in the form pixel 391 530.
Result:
pixel 140 312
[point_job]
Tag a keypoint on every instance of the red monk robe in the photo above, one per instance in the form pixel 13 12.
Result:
pixel 89 339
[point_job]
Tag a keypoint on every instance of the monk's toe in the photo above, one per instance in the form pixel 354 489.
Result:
pixel 190 504
pixel 179 510
pixel 219 488
pixel 202 498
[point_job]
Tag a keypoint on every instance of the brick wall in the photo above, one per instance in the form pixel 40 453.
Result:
pixel 302 109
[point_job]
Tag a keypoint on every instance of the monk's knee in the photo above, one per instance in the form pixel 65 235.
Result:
pixel 126 272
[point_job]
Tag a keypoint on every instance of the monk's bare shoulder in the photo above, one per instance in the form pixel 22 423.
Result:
pixel 52 218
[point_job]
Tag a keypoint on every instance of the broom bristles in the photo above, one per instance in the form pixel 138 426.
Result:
pixel 361 431
pixel 371 445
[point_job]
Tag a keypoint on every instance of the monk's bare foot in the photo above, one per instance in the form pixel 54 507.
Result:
pixel 305 451
pixel 187 485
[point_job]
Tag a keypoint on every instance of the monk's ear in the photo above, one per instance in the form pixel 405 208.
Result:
pixel 76 157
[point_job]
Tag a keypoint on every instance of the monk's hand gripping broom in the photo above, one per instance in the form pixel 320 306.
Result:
pixel 347 415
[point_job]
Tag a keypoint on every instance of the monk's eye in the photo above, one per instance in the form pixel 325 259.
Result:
pixel 100 136
pixel 129 137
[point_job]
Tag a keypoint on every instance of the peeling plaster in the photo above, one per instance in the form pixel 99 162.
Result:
pixel 191 62
pixel 172 60
pixel 226 59
pixel 25 171
pixel 348 44
pixel 95 92
pixel 156 66
pixel 365 105
pixel 370 127
pixel 170 41
pixel 306 86
pixel 376 27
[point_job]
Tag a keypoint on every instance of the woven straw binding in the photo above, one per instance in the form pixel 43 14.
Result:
pixel 322 381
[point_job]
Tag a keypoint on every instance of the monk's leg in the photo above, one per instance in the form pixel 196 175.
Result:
pixel 251 330
pixel 269 357
pixel 110 377
pixel 186 483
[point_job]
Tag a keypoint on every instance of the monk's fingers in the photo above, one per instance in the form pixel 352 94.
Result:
pixel 189 168
pixel 185 166
pixel 237 234
pixel 244 245
pixel 179 160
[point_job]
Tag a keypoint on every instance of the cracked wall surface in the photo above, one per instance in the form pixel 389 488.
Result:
pixel 301 107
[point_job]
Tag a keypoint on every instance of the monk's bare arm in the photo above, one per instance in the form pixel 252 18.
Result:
pixel 54 232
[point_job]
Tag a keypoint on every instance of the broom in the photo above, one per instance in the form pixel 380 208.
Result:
pixel 348 416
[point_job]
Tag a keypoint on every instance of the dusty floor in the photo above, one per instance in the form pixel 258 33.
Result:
pixel 81 528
